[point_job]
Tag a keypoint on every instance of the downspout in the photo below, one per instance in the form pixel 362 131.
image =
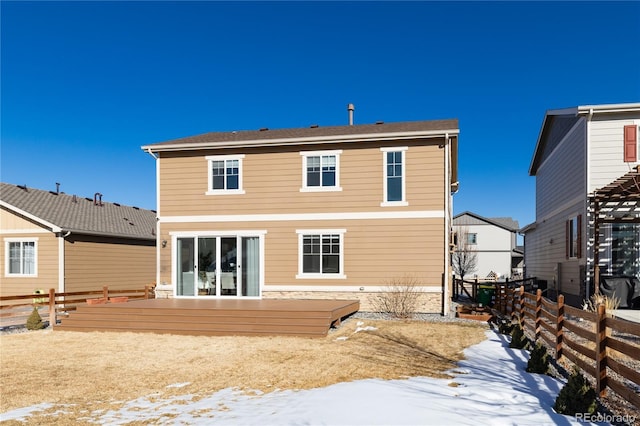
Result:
pixel 591 257
pixel 61 259
pixel 447 226
pixel 158 239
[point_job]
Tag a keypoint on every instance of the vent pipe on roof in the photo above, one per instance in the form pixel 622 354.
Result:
pixel 97 199
pixel 58 188
pixel 350 108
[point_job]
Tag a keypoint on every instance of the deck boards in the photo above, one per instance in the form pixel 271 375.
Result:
pixel 213 317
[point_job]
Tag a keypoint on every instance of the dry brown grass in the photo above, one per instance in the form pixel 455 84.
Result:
pixel 95 370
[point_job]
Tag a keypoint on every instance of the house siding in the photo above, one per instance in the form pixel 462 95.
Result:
pixel 14 226
pixel 272 179
pixel 606 160
pixel 375 251
pixel 92 262
pixel 561 177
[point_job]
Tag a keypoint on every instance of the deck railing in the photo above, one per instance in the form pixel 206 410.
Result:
pixel 14 310
pixel 605 348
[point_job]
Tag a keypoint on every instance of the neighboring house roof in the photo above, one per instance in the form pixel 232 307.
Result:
pixel 558 122
pixel 502 222
pixel 70 213
pixel 311 135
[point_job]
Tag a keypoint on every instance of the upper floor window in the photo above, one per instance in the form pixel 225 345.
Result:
pixel 394 193
pixel 225 174
pixel 21 256
pixel 472 238
pixel 321 171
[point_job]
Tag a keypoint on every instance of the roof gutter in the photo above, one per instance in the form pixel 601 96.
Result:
pixel 302 141
pixel 105 234
pixel 151 153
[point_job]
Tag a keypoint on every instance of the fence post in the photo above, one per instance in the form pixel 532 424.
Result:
pixel 559 327
pixel 521 308
pixel 105 292
pixel 601 351
pixel 538 314
pixel 52 307
pixel 474 292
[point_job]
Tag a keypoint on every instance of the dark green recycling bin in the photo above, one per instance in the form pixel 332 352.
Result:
pixel 485 294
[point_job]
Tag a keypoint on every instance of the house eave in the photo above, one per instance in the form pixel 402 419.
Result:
pixel 54 228
pixel 303 141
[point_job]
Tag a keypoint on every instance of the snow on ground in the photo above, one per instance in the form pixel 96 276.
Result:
pixel 490 387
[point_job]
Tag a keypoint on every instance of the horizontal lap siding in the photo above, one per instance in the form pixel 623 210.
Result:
pixel 47 264
pixel 375 251
pixel 607 153
pixel 11 222
pixel 93 262
pixel 272 179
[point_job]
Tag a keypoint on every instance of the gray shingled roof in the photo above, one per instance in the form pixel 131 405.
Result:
pixel 310 132
pixel 80 215
pixel 507 222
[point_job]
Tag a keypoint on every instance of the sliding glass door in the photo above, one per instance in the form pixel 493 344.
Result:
pixel 225 266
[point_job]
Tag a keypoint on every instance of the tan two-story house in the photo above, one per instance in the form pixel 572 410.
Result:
pixel 318 212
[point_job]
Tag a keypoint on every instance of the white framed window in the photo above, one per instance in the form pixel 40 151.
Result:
pixel 394 181
pixel 573 238
pixel 224 174
pixel 321 253
pixel 21 257
pixel 472 238
pixel 321 171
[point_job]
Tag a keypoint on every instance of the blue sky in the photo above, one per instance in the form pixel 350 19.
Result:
pixel 86 84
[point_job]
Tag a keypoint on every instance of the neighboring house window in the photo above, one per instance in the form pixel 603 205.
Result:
pixel 394 176
pixel 21 257
pixel 472 238
pixel 631 143
pixel 321 253
pixel 321 171
pixel 225 174
pixel 573 237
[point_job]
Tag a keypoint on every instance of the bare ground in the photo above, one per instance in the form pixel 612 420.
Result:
pixel 83 372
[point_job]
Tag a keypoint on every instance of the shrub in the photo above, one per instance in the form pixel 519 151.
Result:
pixel 400 297
pixel 505 326
pixel 577 396
pixel 34 322
pixel 518 339
pixel 539 360
pixel 610 303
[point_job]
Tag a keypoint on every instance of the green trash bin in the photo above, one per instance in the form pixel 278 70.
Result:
pixel 485 294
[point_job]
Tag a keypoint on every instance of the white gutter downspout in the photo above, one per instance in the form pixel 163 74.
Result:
pixel 158 239
pixel 61 256
pixel 447 224
pixel 587 177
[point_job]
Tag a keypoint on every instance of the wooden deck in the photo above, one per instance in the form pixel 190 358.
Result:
pixel 213 317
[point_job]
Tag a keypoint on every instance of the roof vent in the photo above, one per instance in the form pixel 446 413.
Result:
pixel 350 108
pixel 379 122
pixel 57 188
pixel 264 129
pixel 24 187
pixel 314 126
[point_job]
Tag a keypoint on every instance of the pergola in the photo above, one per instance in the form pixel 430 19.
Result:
pixel 617 202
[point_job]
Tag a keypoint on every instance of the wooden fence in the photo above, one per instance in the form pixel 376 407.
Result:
pixel 14 310
pixel 601 346
pixel 470 288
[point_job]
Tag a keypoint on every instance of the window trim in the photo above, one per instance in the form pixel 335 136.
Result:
pixel 302 275
pixel 7 274
pixel 385 202
pixel 210 159
pixel 305 155
pixel 475 238
pixel 570 252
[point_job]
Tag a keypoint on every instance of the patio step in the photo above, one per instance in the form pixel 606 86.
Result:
pixel 311 318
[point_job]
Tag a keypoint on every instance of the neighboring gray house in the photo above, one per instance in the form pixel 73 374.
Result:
pixel 493 241
pixel 580 153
